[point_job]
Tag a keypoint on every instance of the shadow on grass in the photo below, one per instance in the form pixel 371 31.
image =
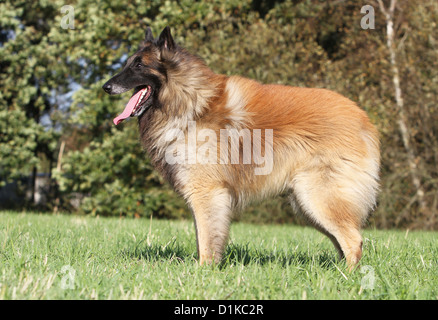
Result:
pixel 159 252
pixel 234 254
pixel 242 254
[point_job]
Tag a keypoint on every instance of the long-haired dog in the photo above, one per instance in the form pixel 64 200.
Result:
pixel 314 145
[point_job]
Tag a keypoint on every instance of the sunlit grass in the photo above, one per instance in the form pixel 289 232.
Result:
pixel 74 257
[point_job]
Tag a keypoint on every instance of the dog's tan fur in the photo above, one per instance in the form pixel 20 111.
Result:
pixel 325 152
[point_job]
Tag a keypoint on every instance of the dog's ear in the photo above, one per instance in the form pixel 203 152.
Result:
pixel 165 40
pixel 148 36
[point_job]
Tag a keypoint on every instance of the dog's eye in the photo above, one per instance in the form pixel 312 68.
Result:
pixel 138 65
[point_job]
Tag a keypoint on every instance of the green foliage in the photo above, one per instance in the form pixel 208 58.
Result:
pixel 51 89
pixel 29 74
pixel 18 139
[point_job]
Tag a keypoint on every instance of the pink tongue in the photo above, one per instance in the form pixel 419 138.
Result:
pixel 129 108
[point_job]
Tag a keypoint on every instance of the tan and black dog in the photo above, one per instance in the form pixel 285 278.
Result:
pixel 314 145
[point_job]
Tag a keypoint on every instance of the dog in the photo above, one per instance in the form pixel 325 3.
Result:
pixel 313 145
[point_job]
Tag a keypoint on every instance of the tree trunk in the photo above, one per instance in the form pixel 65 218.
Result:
pixel 58 167
pixel 34 177
pixel 402 120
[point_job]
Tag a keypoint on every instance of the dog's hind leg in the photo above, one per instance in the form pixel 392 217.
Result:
pixel 212 213
pixel 335 211
pixel 308 217
pixel 337 220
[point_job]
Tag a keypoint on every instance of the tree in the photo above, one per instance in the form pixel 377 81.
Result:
pixel 29 70
pixel 402 119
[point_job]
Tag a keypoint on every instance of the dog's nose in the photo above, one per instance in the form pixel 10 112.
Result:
pixel 107 87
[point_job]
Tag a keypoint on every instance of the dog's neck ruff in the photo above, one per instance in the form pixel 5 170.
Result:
pixel 184 96
pixel 188 88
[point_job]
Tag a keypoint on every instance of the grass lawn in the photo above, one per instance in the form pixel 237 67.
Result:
pixel 74 257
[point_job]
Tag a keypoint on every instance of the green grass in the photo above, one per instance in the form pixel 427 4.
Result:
pixel 142 259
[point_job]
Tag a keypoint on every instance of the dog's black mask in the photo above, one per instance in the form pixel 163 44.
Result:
pixel 144 72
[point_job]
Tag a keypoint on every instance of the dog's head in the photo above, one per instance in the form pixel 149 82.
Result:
pixel 144 72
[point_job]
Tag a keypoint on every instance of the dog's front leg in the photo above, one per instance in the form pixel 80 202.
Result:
pixel 212 213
